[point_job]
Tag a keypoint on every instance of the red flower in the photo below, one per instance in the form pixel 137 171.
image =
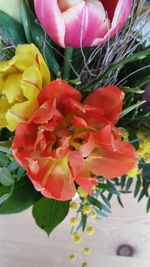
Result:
pixel 65 140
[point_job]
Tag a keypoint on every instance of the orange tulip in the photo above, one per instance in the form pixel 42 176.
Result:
pixel 65 141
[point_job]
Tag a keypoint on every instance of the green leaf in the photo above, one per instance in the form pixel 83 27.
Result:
pixel 48 213
pixel 128 184
pixel 95 202
pixel 105 199
pixel 135 90
pixel 131 108
pixel 123 181
pixel 5 177
pixel 148 205
pixel 22 196
pixel 5 150
pixel 137 187
pixel 101 213
pixel 4 161
pixel 5 192
pixel 105 208
pixel 43 42
pixel 104 186
pixel 84 221
pixel 26 21
pixel 120 201
pixel 10 29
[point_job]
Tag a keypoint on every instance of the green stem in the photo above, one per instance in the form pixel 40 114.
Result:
pixel 66 64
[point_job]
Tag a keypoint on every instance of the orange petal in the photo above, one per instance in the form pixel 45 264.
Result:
pixel 52 178
pixel 110 99
pixel 58 89
pixel 112 163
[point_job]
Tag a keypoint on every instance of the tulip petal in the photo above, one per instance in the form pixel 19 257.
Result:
pixel 28 55
pixel 112 163
pixel 31 82
pixel 118 11
pixel 12 87
pixel 23 142
pixel 52 178
pixel 81 172
pixel 51 18
pixel 78 21
pixel 4 106
pixel 58 90
pixel 110 99
pixel 110 7
pixel 20 112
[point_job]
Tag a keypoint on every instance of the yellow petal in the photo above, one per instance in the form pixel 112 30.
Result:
pixel 31 82
pixel 12 87
pixel 1 84
pixel 4 66
pixel 4 106
pixel 20 112
pixel 27 55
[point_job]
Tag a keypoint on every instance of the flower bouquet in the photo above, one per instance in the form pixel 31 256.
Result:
pixel 74 109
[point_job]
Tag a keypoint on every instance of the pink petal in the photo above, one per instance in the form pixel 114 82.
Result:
pixel 51 19
pixel 78 21
pixel 118 17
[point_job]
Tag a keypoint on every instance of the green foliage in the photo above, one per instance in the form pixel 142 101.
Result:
pixel 6 178
pixel 48 213
pixel 20 196
pixel 16 191
pixel 35 33
pixel 11 31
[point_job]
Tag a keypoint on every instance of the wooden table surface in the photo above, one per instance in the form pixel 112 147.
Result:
pixel 23 244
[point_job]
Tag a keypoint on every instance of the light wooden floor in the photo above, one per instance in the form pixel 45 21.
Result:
pixel 22 244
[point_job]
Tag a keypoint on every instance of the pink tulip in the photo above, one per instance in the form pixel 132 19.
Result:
pixel 77 23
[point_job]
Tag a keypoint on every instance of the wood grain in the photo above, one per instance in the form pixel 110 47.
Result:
pixel 23 244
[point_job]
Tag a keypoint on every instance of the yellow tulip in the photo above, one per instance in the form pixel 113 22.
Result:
pixel 21 78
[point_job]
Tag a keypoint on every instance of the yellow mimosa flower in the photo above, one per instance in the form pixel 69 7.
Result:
pixel 21 78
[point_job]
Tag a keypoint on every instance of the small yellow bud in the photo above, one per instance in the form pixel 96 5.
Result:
pixel 72 258
pixel 84 264
pixel 73 221
pixel 82 192
pixel 87 250
pixel 90 230
pixel 86 209
pixel 85 201
pixel 74 234
pixel 133 172
pixel 77 239
pixel 93 214
pixel 73 205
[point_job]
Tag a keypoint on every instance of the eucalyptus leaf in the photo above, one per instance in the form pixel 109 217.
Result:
pixel 5 177
pixel 4 161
